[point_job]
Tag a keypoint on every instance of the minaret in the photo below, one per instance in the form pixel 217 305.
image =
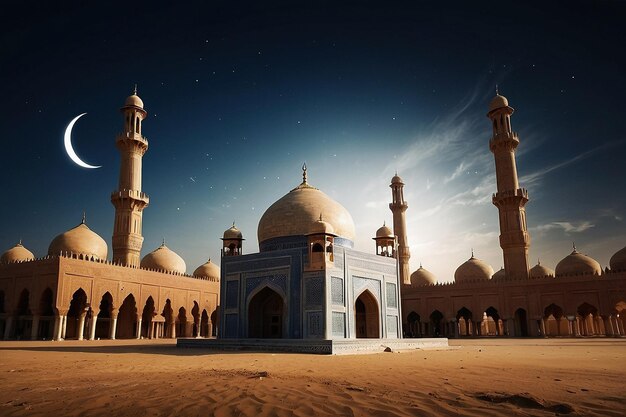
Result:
pixel 398 206
pixel 129 200
pixel 510 198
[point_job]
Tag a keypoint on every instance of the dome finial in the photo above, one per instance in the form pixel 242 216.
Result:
pixel 20 242
pixel 304 173
pixel 321 217
pixel 420 264
pixel 574 246
pixel 233 224
pixel 135 89
pixel 472 252
pixel 538 261
pixel 84 220
pixel 163 241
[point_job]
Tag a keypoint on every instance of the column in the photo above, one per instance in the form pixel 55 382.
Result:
pixel 151 330
pixel 92 325
pixel 35 327
pixel 173 330
pixel 80 330
pixel 543 328
pixel 113 327
pixel 63 326
pixel 56 333
pixel 7 327
pixel 456 328
pixel 138 327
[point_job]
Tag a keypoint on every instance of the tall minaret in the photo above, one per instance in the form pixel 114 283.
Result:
pixel 398 206
pixel 510 198
pixel 128 200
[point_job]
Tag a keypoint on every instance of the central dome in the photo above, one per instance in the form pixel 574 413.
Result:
pixel 299 210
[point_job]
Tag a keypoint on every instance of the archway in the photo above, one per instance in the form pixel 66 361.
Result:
pixel 46 312
pixel 366 316
pixel 586 320
pixel 103 322
pixel 204 324
pixel 23 324
pixel 521 323
pixel 464 319
pixel 266 315
pixel 146 318
pixel 554 323
pixel 436 318
pixel 414 325
pixel 195 313
pixel 491 324
pixel 168 314
pixel 214 322
pixel 76 311
pixel 127 319
pixel 181 323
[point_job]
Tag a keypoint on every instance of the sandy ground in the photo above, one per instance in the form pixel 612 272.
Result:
pixel 473 378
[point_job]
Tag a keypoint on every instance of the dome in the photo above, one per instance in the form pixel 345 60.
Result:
pixel 396 179
pixel 133 100
pixel 17 253
pixel 540 271
pixel 423 277
pixel 321 227
pixel 498 102
pixel 500 275
pixel 618 260
pixel 385 232
pixel 208 269
pixel 232 233
pixel 473 270
pixel 296 211
pixel 578 264
pixel 79 241
pixel 164 259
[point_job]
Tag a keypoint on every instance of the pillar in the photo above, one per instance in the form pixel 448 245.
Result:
pixel 113 326
pixel 456 328
pixel 8 324
pixel 63 326
pixel 80 331
pixel 35 327
pixel 92 326
pixel 138 327
pixel 173 330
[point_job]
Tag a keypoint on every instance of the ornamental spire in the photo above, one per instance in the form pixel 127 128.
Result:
pixel 304 177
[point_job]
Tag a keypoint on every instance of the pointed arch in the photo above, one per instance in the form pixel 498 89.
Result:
pixel 366 316
pixel 46 312
pixel 413 325
pixel 204 324
pixel 435 322
pixel 168 315
pixel 103 321
pixel 266 314
pixel 181 323
pixel 78 309
pixel 464 321
pixel 195 313
pixel 147 315
pixel 127 319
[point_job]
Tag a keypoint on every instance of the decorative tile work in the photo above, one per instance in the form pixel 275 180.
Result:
pixel 392 300
pixel 231 325
pixel 372 266
pixel 338 256
pixel 336 294
pixel 339 324
pixel 392 327
pixel 314 319
pixel 313 291
pixel 279 280
pixel 359 284
pixel 232 294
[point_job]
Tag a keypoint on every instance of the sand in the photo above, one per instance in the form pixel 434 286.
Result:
pixel 473 378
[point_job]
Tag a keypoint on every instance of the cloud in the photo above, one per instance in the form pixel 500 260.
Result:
pixel 567 227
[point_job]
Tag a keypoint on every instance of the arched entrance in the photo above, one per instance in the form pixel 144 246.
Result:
pixel 521 323
pixel 414 325
pixel 195 312
pixel 214 322
pixel 168 315
pixel 587 320
pixel 126 319
pixel 103 322
pixel 366 316
pixel 554 323
pixel 266 315
pixel 204 324
pixel 76 315
pixel 23 320
pixel 146 318
pixel 491 324
pixel 46 311
pixel 181 323
pixel 464 320
pixel 436 317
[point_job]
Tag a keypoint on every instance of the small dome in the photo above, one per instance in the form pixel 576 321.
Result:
pixel 79 241
pixel 385 232
pixel 133 100
pixel 17 253
pixel 540 271
pixel 164 259
pixel 498 102
pixel 396 179
pixel 232 233
pixel 618 260
pixel 208 269
pixel 423 277
pixel 578 264
pixel 500 275
pixel 473 270
pixel 321 227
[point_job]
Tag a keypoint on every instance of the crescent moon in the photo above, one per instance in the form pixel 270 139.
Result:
pixel 68 145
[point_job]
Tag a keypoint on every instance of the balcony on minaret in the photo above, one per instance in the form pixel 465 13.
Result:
pixel 123 136
pixel 510 195
pixel 131 194
pixel 507 140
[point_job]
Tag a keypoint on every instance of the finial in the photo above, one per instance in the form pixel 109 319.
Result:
pixel 163 242
pixel 574 246
pixel 497 92
pixel 384 223
pixel 135 89
pixel 538 261
pixel 472 252
pixel 84 218
pixel 420 264
pixel 20 242
pixel 321 219
pixel 304 173
pixel 233 224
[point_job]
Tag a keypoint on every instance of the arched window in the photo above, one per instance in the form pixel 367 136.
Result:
pixel 317 248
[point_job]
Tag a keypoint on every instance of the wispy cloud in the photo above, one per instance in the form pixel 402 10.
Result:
pixel 567 227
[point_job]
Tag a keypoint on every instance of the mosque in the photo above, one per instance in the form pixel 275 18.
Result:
pixel 307 282
pixel 76 292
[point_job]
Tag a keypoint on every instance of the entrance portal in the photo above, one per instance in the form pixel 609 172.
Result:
pixel 366 316
pixel 265 315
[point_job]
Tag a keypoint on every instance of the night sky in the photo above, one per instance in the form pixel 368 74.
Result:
pixel 240 96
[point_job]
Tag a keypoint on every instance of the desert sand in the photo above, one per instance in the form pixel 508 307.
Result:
pixel 477 377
